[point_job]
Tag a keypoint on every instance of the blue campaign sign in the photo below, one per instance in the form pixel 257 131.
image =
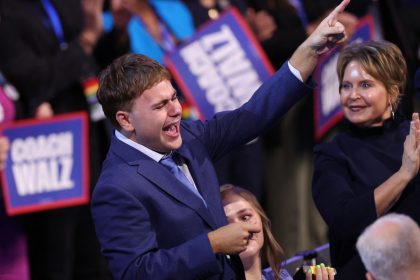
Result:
pixel 221 66
pixel 47 164
pixel 327 99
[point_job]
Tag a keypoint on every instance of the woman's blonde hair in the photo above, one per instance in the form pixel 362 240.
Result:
pixel 271 249
pixel 382 60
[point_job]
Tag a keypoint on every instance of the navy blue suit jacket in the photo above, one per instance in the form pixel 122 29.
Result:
pixel 149 225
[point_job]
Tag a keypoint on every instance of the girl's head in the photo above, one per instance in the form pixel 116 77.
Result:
pixel 241 206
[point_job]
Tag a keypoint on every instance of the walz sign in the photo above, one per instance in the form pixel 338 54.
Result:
pixel 47 164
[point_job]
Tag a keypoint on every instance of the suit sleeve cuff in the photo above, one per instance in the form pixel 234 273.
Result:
pixel 295 72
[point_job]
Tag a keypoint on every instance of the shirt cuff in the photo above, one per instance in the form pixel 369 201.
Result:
pixel 294 71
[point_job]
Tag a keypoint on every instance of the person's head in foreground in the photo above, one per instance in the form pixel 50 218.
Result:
pixel 241 206
pixel 372 77
pixel 390 248
pixel 137 97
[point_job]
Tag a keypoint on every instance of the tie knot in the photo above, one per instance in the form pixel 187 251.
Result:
pixel 168 161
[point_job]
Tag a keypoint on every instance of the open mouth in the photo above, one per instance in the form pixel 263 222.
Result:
pixel 172 130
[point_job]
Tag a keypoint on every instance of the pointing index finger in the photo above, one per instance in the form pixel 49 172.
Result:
pixel 332 17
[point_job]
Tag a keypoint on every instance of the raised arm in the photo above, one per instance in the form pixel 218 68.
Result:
pixel 389 191
pixel 326 36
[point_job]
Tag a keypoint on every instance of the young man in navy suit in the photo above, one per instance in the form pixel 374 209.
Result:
pixel 150 224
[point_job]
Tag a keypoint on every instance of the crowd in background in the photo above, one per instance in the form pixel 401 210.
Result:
pixel 48 48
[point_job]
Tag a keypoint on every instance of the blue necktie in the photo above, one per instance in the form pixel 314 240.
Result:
pixel 169 163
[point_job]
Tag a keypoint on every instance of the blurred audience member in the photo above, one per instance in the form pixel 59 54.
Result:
pixel 46 52
pixel 203 11
pixel 295 20
pixel 14 262
pixel 155 28
pixel 400 25
pixel 390 248
pixel 116 41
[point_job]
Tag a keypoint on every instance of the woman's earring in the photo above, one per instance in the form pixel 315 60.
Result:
pixel 392 111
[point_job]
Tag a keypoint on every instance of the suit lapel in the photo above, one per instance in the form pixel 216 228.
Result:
pixel 162 178
pixel 213 203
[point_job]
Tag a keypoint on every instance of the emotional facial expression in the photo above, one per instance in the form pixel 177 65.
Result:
pixel 364 99
pixel 155 118
pixel 239 210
